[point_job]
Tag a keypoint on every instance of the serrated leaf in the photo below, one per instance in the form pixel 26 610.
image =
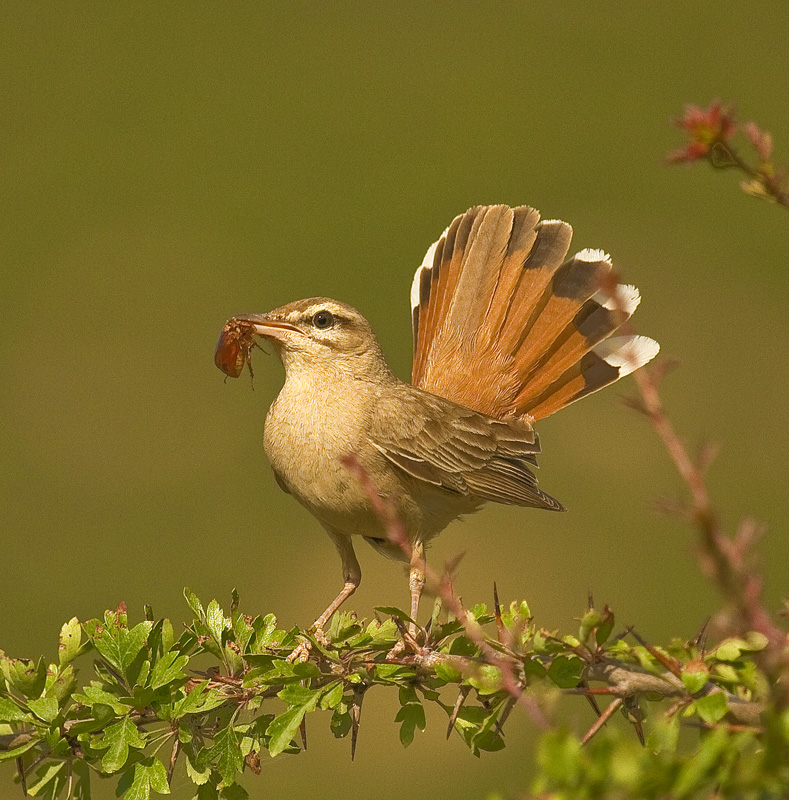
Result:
pixel 95 694
pixel 215 620
pixel 62 684
pixel 143 776
pixel 198 775
pixel 194 603
pixel 45 708
pixel 226 753
pixel 199 700
pixel 11 712
pixel 26 676
pixel 283 728
pixel 102 714
pixel 46 774
pixel 412 716
pixel 118 738
pixel 712 707
pixel 331 696
pixel 168 668
pixel 121 646
pixel 69 641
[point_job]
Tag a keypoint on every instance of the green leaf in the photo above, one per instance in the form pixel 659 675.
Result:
pixel 26 676
pixel 696 772
pixel 61 684
pixel 283 728
pixel 118 738
pixel 695 676
pixel 341 721
pixel 565 671
pixel 215 620
pixel 331 695
pixel 11 712
pixel 712 707
pixel 69 641
pixel 226 753
pixel 121 646
pixel 102 714
pixel 46 774
pixel 94 694
pixel 198 701
pixel 142 777
pixel 392 611
pixel 412 716
pixel 9 755
pixel 730 649
pixel 168 668
pixel 234 792
pixel 447 671
pixel 198 775
pixel 487 679
pixel 194 603
pixel 45 708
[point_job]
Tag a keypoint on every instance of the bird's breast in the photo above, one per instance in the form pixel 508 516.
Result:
pixel 307 433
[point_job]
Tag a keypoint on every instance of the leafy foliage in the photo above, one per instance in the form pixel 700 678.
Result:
pixel 147 701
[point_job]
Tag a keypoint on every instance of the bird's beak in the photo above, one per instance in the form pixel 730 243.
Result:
pixel 270 328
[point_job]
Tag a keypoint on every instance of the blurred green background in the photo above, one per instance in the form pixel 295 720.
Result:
pixel 165 166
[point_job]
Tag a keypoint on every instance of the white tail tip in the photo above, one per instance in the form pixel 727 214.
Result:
pixel 628 353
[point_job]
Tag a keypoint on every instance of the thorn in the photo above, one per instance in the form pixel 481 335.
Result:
pixel 356 715
pixel 590 599
pixel 602 719
pixel 303 732
pixel 462 695
pixel 635 716
pixel 173 758
pixel 590 697
pixel 626 632
pixel 20 768
pixel 671 664
pixel 700 639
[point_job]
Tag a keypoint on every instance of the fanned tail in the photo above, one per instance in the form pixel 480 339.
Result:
pixel 503 324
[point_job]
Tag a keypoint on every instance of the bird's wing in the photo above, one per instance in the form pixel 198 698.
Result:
pixel 442 443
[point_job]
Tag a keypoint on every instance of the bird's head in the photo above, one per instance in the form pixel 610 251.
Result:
pixel 319 333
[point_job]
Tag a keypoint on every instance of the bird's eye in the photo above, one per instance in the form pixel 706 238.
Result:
pixel 323 320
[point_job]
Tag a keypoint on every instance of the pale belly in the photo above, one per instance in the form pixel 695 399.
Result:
pixel 306 454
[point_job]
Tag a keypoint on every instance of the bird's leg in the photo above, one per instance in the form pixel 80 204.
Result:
pixel 416 581
pixel 351 573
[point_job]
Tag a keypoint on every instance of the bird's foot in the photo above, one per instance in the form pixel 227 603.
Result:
pixel 300 653
pixel 302 650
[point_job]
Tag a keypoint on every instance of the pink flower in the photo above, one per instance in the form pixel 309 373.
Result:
pixel 762 141
pixel 715 125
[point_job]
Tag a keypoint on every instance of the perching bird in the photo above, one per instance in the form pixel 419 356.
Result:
pixel 506 332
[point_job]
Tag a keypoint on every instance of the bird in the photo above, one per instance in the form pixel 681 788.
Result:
pixel 506 331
